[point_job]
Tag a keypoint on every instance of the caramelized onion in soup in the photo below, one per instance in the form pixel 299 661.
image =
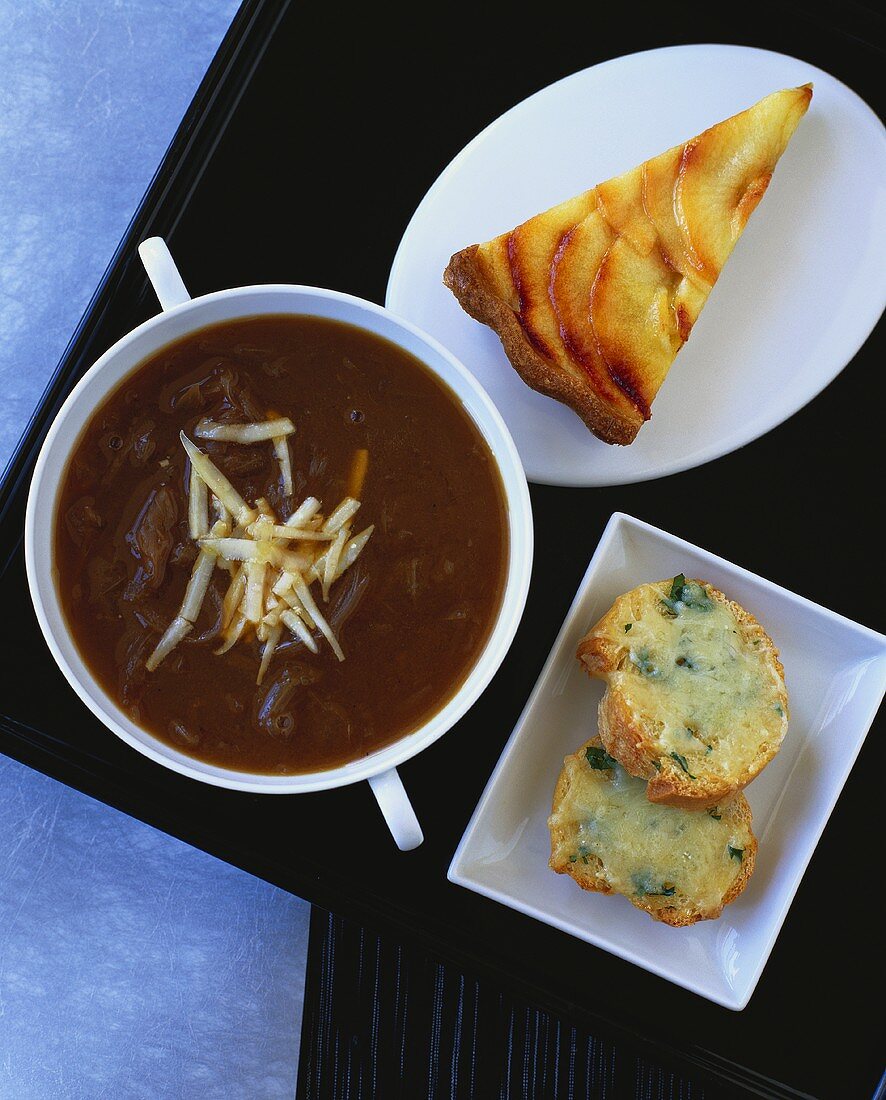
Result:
pixel 281 544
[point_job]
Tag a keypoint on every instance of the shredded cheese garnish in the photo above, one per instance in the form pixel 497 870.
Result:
pixel 207 471
pixel 273 639
pixel 176 630
pixel 245 433
pixel 277 429
pixel 233 596
pixel 333 555
pixel 271 564
pixel 281 449
pixel 272 530
pixel 197 585
pixel 304 513
pixel 299 629
pixel 198 506
pixel 342 514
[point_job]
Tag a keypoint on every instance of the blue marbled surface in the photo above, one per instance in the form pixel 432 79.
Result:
pixel 131 965
pixel 135 966
pixel 91 92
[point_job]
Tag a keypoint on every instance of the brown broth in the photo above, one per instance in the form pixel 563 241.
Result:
pixel 412 614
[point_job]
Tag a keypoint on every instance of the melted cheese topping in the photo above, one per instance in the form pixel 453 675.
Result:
pixel 693 672
pixel 648 851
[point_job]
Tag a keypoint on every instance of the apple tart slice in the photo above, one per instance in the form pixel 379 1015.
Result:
pixel 593 298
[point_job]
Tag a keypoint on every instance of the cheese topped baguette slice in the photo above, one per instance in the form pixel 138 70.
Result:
pixel 593 298
pixel 679 866
pixel 695 700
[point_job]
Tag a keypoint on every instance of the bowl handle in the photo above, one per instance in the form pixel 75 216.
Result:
pixel 397 810
pixel 164 275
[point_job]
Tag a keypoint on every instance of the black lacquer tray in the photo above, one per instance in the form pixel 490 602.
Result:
pixel 308 146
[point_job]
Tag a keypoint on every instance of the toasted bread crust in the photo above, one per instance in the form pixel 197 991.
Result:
pixel 630 738
pixel 742 813
pixel 466 281
pixel 589 875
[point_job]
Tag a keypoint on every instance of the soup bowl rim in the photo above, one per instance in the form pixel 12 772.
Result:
pixel 106 374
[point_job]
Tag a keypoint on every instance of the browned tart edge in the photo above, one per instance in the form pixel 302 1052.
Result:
pixel 465 279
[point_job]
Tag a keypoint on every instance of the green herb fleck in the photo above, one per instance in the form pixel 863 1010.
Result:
pixel 778 710
pixel 599 758
pixel 695 596
pixel 690 732
pixel 681 760
pixel 628 627
pixel 573 858
pixel 686 594
pixel 714 812
pixel 644 662
pixel 646 886
pixel 657 765
pixel 735 853
pixel 756 641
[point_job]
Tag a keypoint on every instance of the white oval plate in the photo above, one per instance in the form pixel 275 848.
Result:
pixel 797 299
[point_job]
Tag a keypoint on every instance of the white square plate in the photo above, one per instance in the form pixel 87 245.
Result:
pixel 836 678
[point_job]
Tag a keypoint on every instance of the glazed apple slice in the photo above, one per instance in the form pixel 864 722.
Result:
pixel 632 316
pixel 532 247
pixel 574 274
pixel 593 299
pixel 621 204
pixel 659 180
pixel 725 171
pixel 492 260
pixel 660 175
